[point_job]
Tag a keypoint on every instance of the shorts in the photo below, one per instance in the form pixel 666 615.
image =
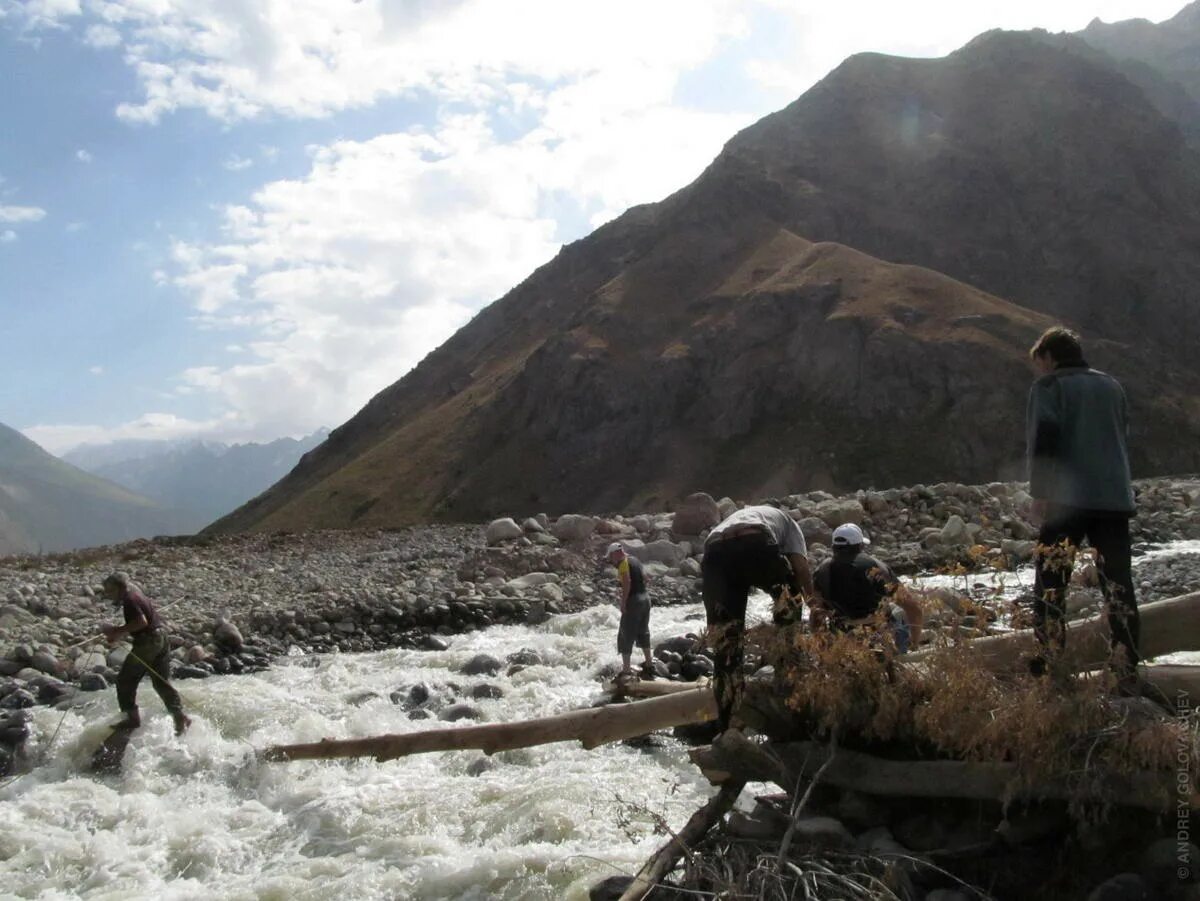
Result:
pixel 635 625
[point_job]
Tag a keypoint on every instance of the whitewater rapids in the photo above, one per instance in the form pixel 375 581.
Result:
pixel 198 817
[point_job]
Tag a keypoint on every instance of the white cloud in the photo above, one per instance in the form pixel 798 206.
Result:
pixel 83 156
pixel 96 370
pixel 235 163
pixel 102 37
pixel 58 439
pixel 244 58
pixel 240 59
pixel 21 213
pixel 7 236
pixel 48 13
pixel 352 273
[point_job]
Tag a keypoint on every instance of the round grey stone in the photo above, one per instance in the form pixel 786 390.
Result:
pixel 92 682
pixel 456 712
pixel 482 665
pixel 18 700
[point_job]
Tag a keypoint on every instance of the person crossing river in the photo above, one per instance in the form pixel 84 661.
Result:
pixel 150 654
pixel 635 609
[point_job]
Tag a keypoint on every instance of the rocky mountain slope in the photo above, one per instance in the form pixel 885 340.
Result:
pixel 759 330
pixel 200 480
pixel 49 505
pixel 1171 48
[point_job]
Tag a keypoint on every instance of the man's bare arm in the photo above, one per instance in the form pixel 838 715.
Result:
pixel 115 633
pixel 802 579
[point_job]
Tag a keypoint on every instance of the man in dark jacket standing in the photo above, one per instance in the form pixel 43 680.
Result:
pixel 1076 430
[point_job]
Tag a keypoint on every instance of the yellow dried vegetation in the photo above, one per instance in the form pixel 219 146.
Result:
pixel 1066 730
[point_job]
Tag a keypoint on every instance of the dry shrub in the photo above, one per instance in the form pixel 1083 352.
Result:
pixel 734 869
pixel 1059 730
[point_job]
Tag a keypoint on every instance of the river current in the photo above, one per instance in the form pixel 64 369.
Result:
pixel 198 817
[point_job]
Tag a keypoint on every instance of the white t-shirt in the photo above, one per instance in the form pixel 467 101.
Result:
pixel 781 527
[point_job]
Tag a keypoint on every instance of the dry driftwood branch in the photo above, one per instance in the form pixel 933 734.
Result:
pixel 787 762
pixel 592 727
pixel 800 802
pixel 664 859
pixel 1167 626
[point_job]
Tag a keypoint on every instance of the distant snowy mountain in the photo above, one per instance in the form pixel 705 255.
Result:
pixel 202 480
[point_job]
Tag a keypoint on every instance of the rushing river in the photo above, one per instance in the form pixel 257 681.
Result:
pixel 199 817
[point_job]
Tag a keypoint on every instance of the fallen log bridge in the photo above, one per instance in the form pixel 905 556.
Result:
pixel 733 757
pixel 592 727
pixel 1167 627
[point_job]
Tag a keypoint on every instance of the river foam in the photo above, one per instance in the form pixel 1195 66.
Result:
pixel 199 817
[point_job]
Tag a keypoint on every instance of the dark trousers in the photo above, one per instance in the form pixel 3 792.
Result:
pixel 1108 533
pixel 150 655
pixel 730 568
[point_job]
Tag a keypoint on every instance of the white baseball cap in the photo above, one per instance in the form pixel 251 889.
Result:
pixel 849 534
pixel 613 548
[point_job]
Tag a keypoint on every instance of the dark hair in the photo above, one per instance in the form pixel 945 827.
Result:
pixel 120 584
pixel 116 580
pixel 1058 343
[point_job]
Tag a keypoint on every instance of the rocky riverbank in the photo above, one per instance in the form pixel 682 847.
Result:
pixel 234 603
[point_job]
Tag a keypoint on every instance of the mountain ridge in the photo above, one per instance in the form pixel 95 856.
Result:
pixel 48 505
pixel 202 480
pixel 1027 182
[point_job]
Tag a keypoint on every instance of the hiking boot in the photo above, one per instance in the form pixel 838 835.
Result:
pixel 182 722
pixel 131 720
pixel 647 672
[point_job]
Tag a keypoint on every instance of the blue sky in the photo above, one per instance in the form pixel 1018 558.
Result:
pixel 239 219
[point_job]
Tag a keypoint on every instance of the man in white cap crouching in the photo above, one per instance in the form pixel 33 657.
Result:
pixel 852 586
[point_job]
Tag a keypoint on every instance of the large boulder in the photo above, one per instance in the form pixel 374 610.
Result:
pixel 816 530
pixel 90 662
pixel 532 580
pixel 45 662
pixel 227 636
pixel 696 513
pixel 92 682
pixel 823 833
pixel 955 531
pixel 505 529
pixel 840 511
pixel 661 551
pixel 573 527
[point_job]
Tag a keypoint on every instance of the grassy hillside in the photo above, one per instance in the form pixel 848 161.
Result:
pixel 49 505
